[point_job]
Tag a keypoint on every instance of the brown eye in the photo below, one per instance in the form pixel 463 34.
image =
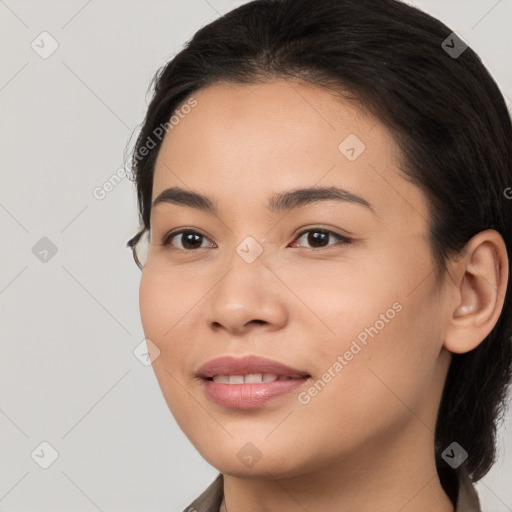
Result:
pixel 189 239
pixel 319 238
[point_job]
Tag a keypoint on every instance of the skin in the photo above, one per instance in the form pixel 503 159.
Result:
pixel 365 441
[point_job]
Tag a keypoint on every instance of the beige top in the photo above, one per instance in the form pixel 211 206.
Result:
pixel 459 487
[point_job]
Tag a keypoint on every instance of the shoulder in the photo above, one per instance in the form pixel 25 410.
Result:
pixel 467 497
pixel 460 489
pixel 210 499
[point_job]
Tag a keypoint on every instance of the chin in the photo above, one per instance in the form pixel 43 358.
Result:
pixel 247 461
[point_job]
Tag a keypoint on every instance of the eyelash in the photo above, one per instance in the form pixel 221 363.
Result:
pixel 341 239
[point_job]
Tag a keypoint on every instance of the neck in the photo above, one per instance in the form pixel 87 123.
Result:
pixel 402 476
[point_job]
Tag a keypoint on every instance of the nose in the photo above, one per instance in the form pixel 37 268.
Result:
pixel 248 296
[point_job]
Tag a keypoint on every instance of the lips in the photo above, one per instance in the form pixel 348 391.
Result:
pixel 248 365
pixel 249 382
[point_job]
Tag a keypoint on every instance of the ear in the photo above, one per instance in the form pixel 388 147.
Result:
pixel 480 286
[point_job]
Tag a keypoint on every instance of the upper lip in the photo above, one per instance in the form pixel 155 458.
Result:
pixel 229 365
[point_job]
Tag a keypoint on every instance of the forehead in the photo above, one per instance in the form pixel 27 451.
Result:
pixel 271 118
pixel 242 143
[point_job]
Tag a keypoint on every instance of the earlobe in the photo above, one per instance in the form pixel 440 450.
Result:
pixel 480 293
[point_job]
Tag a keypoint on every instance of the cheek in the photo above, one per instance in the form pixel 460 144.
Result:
pixel 161 309
pixel 387 335
pixel 335 302
pixel 377 387
pixel 165 299
pixel 152 302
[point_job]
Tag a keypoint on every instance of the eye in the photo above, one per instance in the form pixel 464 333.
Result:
pixel 318 237
pixel 189 239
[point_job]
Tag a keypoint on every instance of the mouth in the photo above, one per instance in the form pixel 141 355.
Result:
pixel 250 367
pixel 250 395
pixel 252 378
pixel 249 382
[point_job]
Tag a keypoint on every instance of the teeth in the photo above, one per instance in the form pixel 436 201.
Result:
pixel 250 378
pixel 254 377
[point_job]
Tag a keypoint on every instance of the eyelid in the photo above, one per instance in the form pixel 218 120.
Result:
pixel 327 229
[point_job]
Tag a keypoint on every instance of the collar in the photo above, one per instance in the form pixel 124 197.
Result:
pixel 457 484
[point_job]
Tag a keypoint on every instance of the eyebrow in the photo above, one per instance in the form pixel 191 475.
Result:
pixel 279 202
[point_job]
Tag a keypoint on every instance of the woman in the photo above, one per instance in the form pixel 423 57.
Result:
pixel 326 288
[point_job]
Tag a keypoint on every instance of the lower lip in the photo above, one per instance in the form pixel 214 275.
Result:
pixel 249 396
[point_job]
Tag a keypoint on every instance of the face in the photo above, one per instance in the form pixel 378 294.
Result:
pixel 342 289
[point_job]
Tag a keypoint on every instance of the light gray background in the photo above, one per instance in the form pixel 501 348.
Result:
pixel 69 326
